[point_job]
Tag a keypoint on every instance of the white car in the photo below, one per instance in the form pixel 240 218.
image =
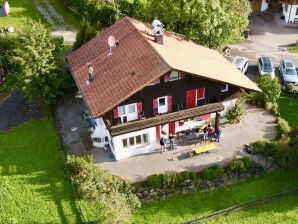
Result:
pixel 265 67
pixel 288 72
pixel 241 63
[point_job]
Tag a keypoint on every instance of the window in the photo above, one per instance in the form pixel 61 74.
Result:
pixel 145 138
pixel 297 12
pixel 125 143
pixel 174 75
pixel 224 88
pixel 131 141
pixel 162 101
pixel 131 108
pixel 106 139
pixel 138 139
pixel 135 141
pixel 121 110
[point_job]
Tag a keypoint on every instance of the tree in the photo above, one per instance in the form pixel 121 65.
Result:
pixel 208 22
pixel 271 88
pixel 36 53
pixel 86 33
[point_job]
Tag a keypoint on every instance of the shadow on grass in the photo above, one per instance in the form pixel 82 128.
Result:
pixel 32 153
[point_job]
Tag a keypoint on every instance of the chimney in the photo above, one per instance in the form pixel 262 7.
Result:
pixel 158 31
pixel 90 73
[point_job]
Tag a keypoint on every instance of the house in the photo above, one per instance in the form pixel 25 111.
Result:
pixel 149 83
pixel 259 5
pixel 290 10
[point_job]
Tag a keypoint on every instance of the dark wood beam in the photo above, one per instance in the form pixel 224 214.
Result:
pixel 165 118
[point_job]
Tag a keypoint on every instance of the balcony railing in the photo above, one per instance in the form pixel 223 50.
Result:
pixel 165 118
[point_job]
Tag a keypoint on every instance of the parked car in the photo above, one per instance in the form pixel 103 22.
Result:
pixel 288 72
pixel 241 63
pixel 265 67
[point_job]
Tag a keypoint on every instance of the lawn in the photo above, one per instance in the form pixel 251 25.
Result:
pixel 20 10
pixel 34 186
pixel 184 207
pixel 293 48
pixel 288 107
pixel 283 210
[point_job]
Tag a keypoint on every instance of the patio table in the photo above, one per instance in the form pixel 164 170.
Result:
pixel 204 148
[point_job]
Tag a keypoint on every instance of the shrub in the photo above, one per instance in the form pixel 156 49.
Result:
pixel 193 176
pixel 272 107
pixel 155 180
pixel 76 164
pixel 237 165
pixel 185 175
pixel 259 146
pixel 283 126
pixel 212 173
pixel 234 114
pixel 290 88
pixel 271 88
pixel 247 161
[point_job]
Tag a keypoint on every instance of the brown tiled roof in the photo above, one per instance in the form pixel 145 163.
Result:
pixel 138 60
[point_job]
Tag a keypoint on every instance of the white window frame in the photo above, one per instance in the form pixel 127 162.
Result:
pixel 130 116
pixel 166 105
pixel 226 89
pixel 135 145
pixel 173 79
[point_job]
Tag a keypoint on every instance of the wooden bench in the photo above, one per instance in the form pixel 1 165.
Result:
pixel 204 148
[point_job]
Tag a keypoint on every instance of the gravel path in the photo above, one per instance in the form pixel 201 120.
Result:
pixel 55 20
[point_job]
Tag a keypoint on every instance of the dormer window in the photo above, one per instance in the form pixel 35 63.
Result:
pixel 225 88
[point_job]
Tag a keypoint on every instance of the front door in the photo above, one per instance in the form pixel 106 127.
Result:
pixel 162 105
pixel 191 98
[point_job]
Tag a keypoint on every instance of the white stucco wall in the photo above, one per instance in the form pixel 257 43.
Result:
pixel 101 132
pixel 121 153
pixel 289 11
pixel 264 5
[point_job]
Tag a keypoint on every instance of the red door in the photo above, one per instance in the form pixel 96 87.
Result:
pixel 172 128
pixel 157 132
pixel 191 98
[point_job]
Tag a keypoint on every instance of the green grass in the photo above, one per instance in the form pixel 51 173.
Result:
pixel 20 10
pixel 293 48
pixel 288 107
pixel 72 19
pixel 184 207
pixel 283 210
pixel 34 186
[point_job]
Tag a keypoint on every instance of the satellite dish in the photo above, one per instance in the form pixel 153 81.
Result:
pixel 112 43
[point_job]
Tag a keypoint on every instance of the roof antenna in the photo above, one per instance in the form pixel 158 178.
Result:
pixel 112 43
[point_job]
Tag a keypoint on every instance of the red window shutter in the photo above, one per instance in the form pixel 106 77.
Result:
pixel 181 123
pixel 166 77
pixel 200 93
pixel 191 98
pixel 115 112
pixel 157 132
pixel 182 75
pixel 155 104
pixel 139 107
pixel 156 81
pixel 169 104
pixel 172 128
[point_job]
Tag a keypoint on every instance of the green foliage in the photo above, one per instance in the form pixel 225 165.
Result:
pixel 247 162
pixel 40 72
pixel 208 22
pixel 97 185
pixel 283 126
pixel 155 180
pixel 292 152
pixel 86 33
pixel 234 114
pixel 271 88
pixel 237 165
pixel 290 88
pixel 212 173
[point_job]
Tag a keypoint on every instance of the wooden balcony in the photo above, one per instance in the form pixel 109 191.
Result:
pixel 165 118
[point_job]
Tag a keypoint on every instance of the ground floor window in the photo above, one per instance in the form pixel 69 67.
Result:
pixel 135 141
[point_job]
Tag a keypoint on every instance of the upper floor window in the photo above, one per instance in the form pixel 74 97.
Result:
pixel 127 112
pixel 224 88
pixel 174 75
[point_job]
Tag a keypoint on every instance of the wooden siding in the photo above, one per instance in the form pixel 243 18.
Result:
pixel 165 118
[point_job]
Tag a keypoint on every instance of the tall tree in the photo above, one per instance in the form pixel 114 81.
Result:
pixel 86 33
pixel 35 52
pixel 208 22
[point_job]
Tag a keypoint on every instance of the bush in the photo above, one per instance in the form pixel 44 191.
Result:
pixel 283 126
pixel 212 173
pixel 271 88
pixel 272 107
pixel 234 114
pixel 259 146
pixel 76 164
pixel 155 181
pixel 247 161
pixel 290 88
pixel 237 165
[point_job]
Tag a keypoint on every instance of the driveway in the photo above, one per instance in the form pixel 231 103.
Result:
pixel 269 36
pixel 256 124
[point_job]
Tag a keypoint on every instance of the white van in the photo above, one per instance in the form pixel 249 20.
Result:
pixel 241 63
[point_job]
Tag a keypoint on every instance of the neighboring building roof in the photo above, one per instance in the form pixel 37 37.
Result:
pixel 138 60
